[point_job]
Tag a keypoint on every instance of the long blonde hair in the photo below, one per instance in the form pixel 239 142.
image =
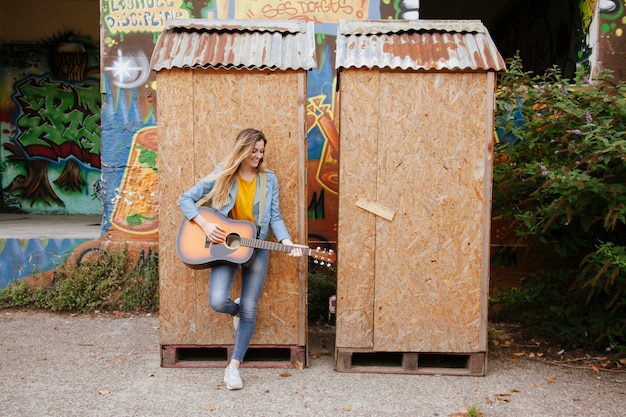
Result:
pixel 225 177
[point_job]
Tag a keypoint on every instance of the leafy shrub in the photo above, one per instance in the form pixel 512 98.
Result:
pixel 560 180
pixel 322 285
pixel 19 295
pixel 141 290
pixel 104 282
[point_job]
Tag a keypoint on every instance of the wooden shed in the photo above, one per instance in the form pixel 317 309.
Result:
pixel 416 129
pixel 214 78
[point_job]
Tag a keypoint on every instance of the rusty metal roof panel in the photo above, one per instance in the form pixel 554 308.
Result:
pixel 417 45
pixel 238 44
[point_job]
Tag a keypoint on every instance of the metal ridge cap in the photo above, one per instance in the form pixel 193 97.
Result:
pixel 238 67
pixel 291 26
pixel 418 68
pixel 371 27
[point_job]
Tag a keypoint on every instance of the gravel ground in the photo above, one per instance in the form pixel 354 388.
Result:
pixel 105 365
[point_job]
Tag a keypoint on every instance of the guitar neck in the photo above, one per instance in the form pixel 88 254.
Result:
pixel 265 244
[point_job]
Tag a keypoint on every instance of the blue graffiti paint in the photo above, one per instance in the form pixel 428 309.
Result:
pixel 37 257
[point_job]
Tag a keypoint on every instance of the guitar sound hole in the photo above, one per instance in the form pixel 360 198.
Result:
pixel 233 241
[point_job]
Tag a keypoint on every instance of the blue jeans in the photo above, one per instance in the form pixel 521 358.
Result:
pixel 252 281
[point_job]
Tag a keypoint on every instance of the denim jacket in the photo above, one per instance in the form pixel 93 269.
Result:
pixel 271 216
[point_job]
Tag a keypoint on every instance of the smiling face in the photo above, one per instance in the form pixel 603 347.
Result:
pixel 255 157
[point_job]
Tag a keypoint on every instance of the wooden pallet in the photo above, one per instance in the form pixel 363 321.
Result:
pixel 368 361
pixel 218 356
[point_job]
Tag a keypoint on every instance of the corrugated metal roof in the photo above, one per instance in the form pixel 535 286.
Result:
pixel 202 43
pixel 417 45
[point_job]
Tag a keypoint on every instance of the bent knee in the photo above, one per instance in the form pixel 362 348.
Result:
pixel 218 305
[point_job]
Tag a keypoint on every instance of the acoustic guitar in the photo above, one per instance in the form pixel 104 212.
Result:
pixel 194 247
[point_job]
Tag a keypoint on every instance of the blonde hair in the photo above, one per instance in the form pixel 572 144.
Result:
pixel 225 177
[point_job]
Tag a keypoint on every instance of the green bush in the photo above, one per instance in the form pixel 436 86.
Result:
pixel 142 286
pixel 561 183
pixel 105 282
pixel 322 285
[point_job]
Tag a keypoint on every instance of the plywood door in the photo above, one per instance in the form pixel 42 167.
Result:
pixel 200 114
pixel 356 228
pixel 416 143
pixel 432 171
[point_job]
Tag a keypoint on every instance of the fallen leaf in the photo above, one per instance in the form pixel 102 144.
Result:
pixel 531 355
pixel 299 365
pixel 103 392
pixel 519 354
pixel 315 356
pixel 595 368
pixel 347 408
pixel 121 360
pixel 550 380
pixel 209 408
pixel 515 390
pixel 503 396
pixel 537 384
pixel 150 375
pixel 285 374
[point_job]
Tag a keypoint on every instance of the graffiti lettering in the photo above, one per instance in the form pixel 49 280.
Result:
pixel 326 6
pixel 318 10
pixel 125 16
pixel 281 9
pixel 59 120
pixel 23 60
pixel 118 5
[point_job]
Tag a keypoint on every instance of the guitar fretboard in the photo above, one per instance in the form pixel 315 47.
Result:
pixel 265 244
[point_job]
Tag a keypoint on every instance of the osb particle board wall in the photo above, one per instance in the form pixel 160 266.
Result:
pixel 420 144
pixel 199 114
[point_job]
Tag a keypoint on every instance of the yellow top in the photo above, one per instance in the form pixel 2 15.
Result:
pixel 244 200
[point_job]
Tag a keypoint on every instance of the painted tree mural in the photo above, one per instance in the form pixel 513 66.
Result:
pixel 55 114
pixel 59 122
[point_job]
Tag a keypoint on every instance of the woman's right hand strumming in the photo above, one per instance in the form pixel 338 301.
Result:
pixel 213 231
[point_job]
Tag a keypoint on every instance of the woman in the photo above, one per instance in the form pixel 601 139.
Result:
pixel 233 189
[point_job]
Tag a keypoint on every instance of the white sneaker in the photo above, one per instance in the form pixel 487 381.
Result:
pixel 236 318
pixel 232 378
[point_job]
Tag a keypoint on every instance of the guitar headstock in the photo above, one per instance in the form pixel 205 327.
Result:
pixel 323 256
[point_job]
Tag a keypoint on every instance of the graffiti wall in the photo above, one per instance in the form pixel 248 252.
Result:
pixel 612 39
pixel 49 144
pixel 50 127
pixel 78 129
pixel 129 32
